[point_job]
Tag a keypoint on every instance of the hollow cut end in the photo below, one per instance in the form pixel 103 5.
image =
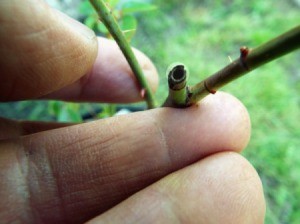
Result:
pixel 177 77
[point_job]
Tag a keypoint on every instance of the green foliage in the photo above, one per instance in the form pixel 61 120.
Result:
pixel 123 11
pixel 109 110
pixel 65 112
pixel 202 34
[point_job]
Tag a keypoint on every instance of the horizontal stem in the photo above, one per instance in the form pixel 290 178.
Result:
pixel 248 61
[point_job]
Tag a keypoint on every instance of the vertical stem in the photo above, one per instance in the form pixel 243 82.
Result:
pixel 113 27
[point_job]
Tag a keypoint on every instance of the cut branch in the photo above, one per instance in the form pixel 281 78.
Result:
pixel 177 86
pixel 109 21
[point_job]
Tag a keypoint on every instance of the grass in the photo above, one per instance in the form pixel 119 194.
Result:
pixel 202 34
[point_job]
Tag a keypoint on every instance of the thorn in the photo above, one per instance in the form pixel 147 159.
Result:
pixel 244 53
pixel 230 59
pixel 212 91
pixel 143 93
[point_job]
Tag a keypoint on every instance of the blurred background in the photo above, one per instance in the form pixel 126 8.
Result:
pixel 204 34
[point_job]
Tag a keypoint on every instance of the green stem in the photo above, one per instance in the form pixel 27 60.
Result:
pixel 114 29
pixel 249 60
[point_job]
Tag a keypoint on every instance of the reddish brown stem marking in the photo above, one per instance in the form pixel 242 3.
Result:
pixel 208 89
pixel 244 53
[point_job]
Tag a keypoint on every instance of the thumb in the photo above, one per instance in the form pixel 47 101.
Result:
pixel 42 50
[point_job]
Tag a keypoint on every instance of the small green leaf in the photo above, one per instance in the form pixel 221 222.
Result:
pixel 74 115
pixel 90 22
pixel 128 22
pixel 55 107
pixel 112 3
pixel 109 110
pixel 130 7
pixel 69 112
pixel 102 28
pixel 63 115
pixel 128 25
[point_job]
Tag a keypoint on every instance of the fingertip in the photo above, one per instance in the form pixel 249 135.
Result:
pixel 229 118
pixel 235 189
pixel 48 52
pixel 111 79
pixel 222 188
pixel 218 123
pixel 226 190
pixel 115 80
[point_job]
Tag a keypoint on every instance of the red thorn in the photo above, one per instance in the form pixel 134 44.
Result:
pixel 212 91
pixel 143 93
pixel 244 52
pixel 208 89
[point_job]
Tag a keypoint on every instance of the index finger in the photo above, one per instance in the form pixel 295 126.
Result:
pixel 80 171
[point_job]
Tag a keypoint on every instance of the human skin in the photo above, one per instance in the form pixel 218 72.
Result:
pixel 163 165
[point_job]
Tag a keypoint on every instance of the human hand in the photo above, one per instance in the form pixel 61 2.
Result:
pixel 159 166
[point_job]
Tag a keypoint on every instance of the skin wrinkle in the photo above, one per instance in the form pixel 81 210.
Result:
pixel 119 86
pixel 23 158
pixel 141 160
pixel 121 170
pixel 181 187
pixel 31 37
pixel 167 198
pixel 41 40
pixel 19 9
pixel 184 204
pixel 234 189
pixel 121 158
pixel 49 176
pixel 43 172
pixel 132 157
pixel 163 141
pixel 77 175
pixel 164 203
pixel 240 191
pixel 29 49
pixel 156 133
pixel 175 157
pixel 22 166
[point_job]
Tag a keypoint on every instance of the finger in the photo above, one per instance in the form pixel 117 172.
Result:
pixel 111 79
pixel 86 169
pixel 41 49
pixel 222 188
pixel 13 129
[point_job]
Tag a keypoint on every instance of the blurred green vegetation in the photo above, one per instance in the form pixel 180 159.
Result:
pixel 203 34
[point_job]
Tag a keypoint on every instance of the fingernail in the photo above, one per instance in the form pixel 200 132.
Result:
pixel 76 26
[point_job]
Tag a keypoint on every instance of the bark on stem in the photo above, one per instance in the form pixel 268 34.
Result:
pixel 248 61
